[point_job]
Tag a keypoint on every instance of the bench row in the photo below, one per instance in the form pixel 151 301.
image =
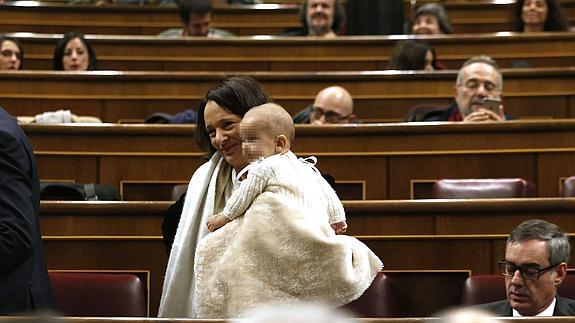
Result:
pixel 382 161
pixel 429 244
pixel 146 53
pixel 541 93
pixel 466 17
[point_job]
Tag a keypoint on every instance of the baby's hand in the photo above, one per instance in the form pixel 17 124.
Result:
pixel 339 227
pixel 217 221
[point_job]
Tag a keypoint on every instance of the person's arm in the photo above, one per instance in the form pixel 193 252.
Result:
pixel 17 206
pixel 335 209
pixel 243 197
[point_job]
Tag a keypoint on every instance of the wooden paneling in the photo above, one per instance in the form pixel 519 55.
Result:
pixel 466 17
pixel 423 244
pixel 385 158
pixel 241 20
pixel 115 96
pixel 352 53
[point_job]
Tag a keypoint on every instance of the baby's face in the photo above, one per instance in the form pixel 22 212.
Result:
pixel 256 143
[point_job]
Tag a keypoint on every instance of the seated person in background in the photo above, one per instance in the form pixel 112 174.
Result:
pixel 12 55
pixel 332 105
pixel 539 15
pixel 267 132
pixel 321 18
pixel 535 263
pixel 430 19
pixel 478 91
pixel 74 53
pixel 412 54
pixel 196 18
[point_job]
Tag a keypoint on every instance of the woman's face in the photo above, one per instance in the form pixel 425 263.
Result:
pixel 429 61
pixel 534 12
pixel 223 127
pixel 76 56
pixel 10 58
pixel 426 25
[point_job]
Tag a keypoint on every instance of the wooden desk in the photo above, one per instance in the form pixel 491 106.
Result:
pixel 300 53
pixel 118 19
pixel 428 254
pixel 379 95
pixel 373 162
pixel 54 17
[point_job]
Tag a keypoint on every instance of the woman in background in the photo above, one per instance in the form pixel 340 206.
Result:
pixel 12 55
pixel 413 54
pixel 430 19
pixel 74 53
pixel 539 15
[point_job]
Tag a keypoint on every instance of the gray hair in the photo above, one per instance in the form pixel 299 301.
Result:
pixel 484 59
pixel 556 240
pixel 438 12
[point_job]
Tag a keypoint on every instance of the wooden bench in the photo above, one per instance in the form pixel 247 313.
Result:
pixel 423 244
pixel 379 95
pixel 118 19
pixel 382 161
pixel 58 17
pixel 300 53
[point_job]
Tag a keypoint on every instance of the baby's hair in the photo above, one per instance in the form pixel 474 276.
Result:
pixel 275 120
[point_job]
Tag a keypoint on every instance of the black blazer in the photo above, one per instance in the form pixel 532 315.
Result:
pixel 563 307
pixel 24 282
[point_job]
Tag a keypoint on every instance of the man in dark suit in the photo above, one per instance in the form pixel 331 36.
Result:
pixel 24 282
pixel 535 263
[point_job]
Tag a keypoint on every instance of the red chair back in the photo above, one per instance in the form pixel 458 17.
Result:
pixel 99 294
pixel 482 188
pixel 376 301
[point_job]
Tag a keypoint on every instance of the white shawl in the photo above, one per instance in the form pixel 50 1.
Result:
pixel 204 192
pixel 282 253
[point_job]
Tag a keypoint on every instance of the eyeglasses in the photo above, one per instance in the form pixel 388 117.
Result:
pixel 330 116
pixel 528 272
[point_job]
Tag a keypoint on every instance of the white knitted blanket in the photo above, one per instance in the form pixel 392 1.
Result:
pixel 278 253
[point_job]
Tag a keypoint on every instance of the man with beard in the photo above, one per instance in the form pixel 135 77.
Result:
pixel 535 264
pixel 320 18
pixel 478 93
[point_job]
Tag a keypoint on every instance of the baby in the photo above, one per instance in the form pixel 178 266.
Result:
pixel 267 131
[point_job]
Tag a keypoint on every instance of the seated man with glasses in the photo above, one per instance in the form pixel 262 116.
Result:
pixel 332 105
pixel 478 92
pixel 535 263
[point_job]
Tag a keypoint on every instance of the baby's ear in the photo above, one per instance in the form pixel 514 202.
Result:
pixel 281 143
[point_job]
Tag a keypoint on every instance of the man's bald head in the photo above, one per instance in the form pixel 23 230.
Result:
pixel 332 105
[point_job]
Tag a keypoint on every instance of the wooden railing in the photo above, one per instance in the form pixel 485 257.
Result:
pixel 148 53
pixel 424 245
pixel 541 93
pixel 373 162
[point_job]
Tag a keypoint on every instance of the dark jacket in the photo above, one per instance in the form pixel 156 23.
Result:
pixel 24 282
pixel 563 307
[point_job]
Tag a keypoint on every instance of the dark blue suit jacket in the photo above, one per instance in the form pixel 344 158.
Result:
pixel 24 282
pixel 563 307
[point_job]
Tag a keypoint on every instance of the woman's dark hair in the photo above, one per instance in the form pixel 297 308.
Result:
pixel 61 48
pixel 338 15
pixel 17 42
pixel 410 55
pixel 555 20
pixel 236 95
pixel 436 10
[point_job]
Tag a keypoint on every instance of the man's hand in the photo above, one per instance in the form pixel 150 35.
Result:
pixel 339 227
pixel 217 221
pixel 485 115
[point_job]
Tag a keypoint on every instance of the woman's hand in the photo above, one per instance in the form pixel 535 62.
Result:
pixel 339 227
